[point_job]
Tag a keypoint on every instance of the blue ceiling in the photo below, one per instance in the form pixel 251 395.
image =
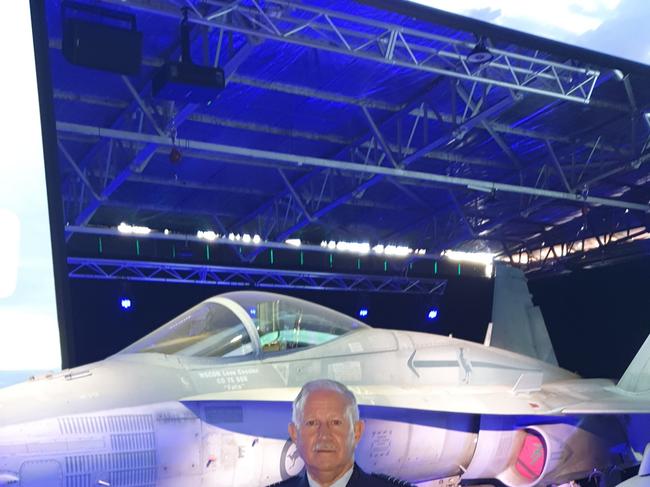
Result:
pixel 310 95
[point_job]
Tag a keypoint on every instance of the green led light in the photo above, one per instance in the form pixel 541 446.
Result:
pixel 459 268
pixel 101 246
pixel 137 247
pixel 302 258
pixel 173 251
pixel 331 260
pixel 272 257
pixel 435 266
pixel 207 252
pixel 359 264
pixel 385 266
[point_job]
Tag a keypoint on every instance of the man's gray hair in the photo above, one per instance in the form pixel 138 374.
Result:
pixel 352 409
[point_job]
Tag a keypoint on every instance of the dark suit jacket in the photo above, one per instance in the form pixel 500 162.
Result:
pixel 359 479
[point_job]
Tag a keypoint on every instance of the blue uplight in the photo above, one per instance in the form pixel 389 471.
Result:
pixel 363 312
pixel 432 314
pixel 252 312
pixel 125 303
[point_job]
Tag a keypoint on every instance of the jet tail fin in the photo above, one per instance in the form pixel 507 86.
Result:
pixel 518 325
pixel 637 376
pixel 488 335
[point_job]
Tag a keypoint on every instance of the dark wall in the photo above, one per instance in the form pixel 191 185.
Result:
pixel 102 328
pixel 597 318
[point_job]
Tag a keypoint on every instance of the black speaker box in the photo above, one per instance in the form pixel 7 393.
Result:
pixel 101 46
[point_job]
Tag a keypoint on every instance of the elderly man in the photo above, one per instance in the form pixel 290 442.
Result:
pixel 326 429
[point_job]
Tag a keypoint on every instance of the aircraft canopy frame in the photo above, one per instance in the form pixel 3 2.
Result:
pixel 246 324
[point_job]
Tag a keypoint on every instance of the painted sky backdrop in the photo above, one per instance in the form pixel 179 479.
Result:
pixel 29 334
pixel 615 27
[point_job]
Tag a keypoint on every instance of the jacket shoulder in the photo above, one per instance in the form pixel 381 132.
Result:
pixel 381 480
pixel 290 482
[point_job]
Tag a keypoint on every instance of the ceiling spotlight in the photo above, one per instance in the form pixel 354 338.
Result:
pixel 432 314
pixel 480 54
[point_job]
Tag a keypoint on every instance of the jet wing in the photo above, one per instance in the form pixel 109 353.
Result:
pixel 631 395
pixel 567 398
pixel 612 402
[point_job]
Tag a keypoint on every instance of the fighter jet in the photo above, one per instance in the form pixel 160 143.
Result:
pixel 206 398
pixel 643 477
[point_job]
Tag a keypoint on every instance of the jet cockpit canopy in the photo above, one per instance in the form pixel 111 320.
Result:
pixel 246 324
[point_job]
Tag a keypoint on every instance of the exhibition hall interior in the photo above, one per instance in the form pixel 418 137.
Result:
pixel 206 204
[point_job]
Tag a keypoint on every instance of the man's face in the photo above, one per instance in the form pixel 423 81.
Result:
pixel 325 438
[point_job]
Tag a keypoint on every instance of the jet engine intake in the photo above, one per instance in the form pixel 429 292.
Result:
pixel 552 453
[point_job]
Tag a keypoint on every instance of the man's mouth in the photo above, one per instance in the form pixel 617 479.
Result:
pixel 324 447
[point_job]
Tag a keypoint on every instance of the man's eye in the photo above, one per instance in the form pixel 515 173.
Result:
pixel 336 422
pixel 310 422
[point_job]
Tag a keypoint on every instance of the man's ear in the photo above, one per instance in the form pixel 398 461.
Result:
pixel 358 430
pixel 293 432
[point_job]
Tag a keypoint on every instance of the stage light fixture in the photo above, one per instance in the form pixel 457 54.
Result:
pixel 432 315
pixel 480 54
pixel 127 229
pixel 363 312
pixel 185 81
pixel 125 303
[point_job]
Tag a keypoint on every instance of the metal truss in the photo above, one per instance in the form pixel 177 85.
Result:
pixel 415 113
pixel 323 95
pixel 305 199
pixel 602 247
pixel 386 43
pixel 142 158
pixel 242 277
pixel 375 171
pixel 404 137
pixel 380 154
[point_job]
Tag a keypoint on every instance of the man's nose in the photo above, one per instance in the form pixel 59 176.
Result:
pixel 324 428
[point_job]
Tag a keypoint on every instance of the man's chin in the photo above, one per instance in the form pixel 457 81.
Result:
pixel 329 462
pixel 326 461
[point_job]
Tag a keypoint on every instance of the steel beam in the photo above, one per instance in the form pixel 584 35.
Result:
pixel 245 277
pixel 365 139
pixel 558 167
pixel 418 112
pixel 540 258
pixel 77 170
pixel 189 184
pixel 376 171
pixel 144 155
pixel 419 153
pixel 296 196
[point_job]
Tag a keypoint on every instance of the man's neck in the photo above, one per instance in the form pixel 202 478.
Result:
pixel 327 478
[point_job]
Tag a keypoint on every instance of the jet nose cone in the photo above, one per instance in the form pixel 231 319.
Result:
pixel 25 401
pixel 7 478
